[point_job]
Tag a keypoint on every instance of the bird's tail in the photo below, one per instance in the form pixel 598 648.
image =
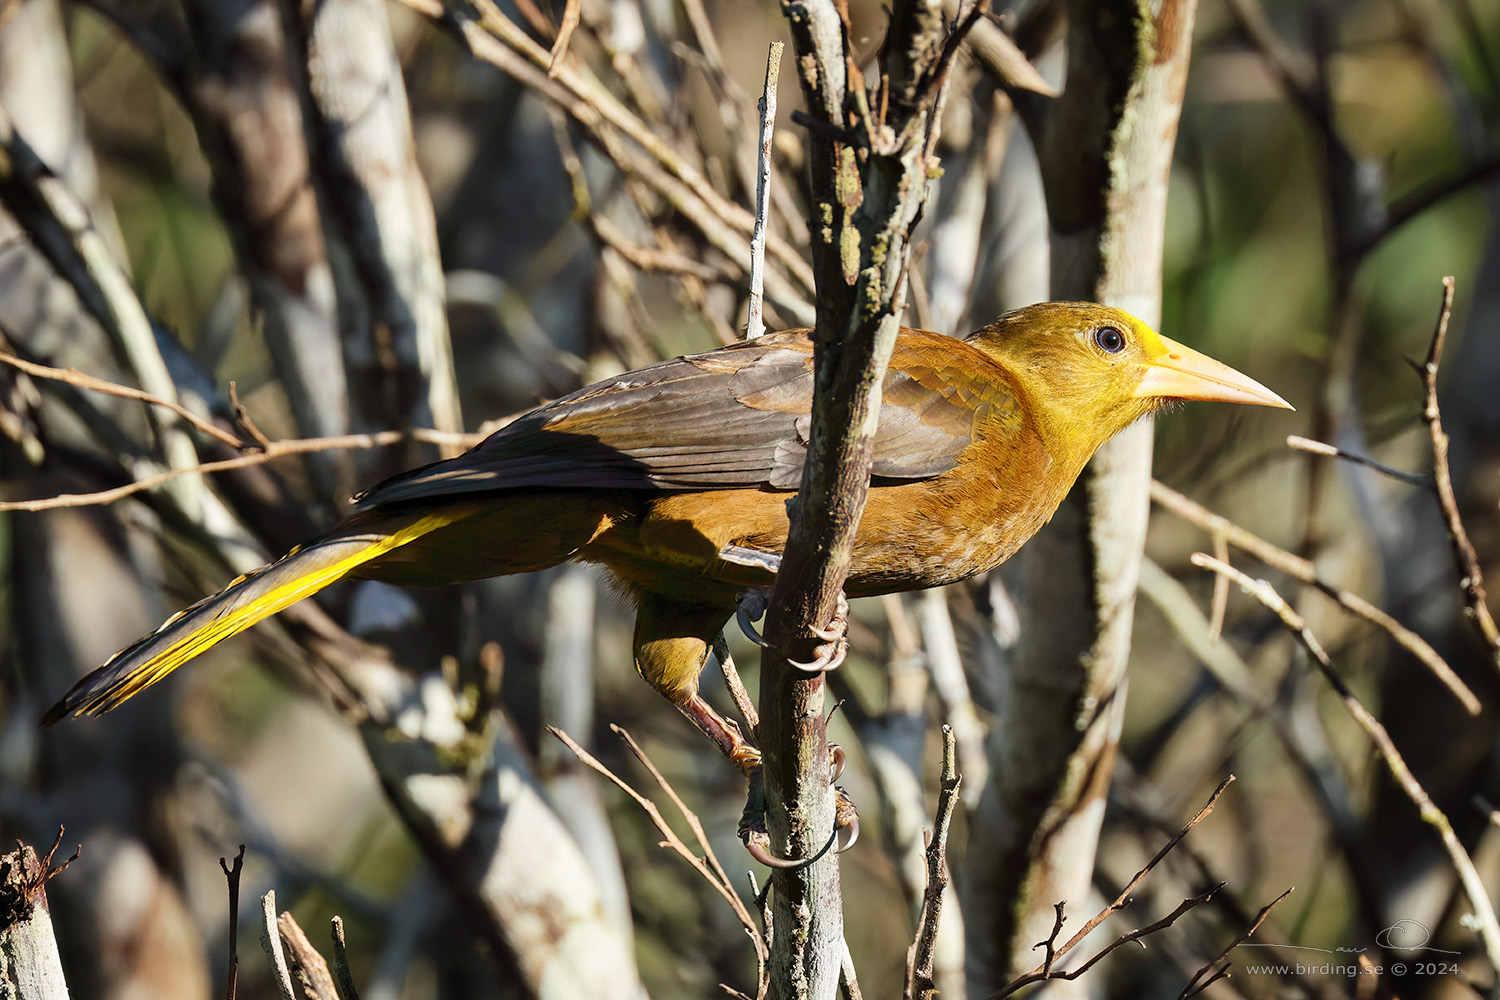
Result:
pixel 300 573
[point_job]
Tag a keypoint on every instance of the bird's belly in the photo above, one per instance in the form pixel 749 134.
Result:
pixel 911 536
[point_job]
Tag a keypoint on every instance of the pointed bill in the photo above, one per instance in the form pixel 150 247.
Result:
pixel 1183 373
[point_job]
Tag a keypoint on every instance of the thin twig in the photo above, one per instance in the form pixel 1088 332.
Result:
pixel 1218 605
pixel 1046 971
pixel 83 380
pixel 920 982
pixel 342 977
pixel 756 324
pixel 1129 937
pixel 1333 451
pixel 1484 911
pixel 1304 571
pixel 277 449
pixel 742 700
pixel 1471 577
pixel 707 866
pixel 572 13
pixel 232 876
pixel 270 940
pixel 1216 971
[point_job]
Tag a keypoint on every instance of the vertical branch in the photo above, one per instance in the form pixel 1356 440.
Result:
pixel 384 212
pixel 1106 148
pixel 1471 574
pixel 868 181
pixel 239 85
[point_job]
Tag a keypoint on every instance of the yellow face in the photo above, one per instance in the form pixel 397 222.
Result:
pixel 1092 370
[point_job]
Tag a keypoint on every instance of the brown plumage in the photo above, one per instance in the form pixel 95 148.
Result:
pixel 676 478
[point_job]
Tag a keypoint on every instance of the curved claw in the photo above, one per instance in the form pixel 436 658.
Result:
pixel 765 857
pixel 853 835
pixel 750 609
pixel 827 660
pixel 747 626
pixel 846 817
pixel 839 760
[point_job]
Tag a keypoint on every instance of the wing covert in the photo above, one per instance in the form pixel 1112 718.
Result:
pixel 736 417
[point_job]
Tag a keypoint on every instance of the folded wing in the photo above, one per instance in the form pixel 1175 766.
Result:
pixel 733 418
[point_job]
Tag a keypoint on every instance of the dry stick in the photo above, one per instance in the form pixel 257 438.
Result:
pixel 1194 987
pixel 587 88
pixel 1304 571
pixel 270 940
pixel 83 380
pixel 646 258
pixel 1219 605
pixel 707 866
pixel 232 875
pixel 279 449
pixel 1472 579
pixel 312 971
pixel 269 449
pixel 703 207
pixel 693 822
pixel 920 981
pixel 756 324
pixel 1484 911
pixel 1312 447
pixel 1045 970
pixel 742 700
pixel 572 14
pixel 343 978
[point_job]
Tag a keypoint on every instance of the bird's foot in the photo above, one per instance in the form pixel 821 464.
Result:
pixel 830 653
pixel 757 840
pixel 827 654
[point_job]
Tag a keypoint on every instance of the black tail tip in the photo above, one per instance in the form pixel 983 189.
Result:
pixel 54 714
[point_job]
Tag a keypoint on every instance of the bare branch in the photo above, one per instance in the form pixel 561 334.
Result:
pixel 1046 971
pixel 1304 571
pixel 270 940
pixel 1333 451
pixel 1471 576
pixel 920 981
pixel 1484 910
pixel 309 966
pixel 756 325
pixel 707 866
pixel 1219 967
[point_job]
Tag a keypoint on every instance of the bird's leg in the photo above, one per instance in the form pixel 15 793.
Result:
pixel 828 654
pixel 672 645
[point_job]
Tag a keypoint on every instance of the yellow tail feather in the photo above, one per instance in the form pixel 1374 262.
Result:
pixel 300 573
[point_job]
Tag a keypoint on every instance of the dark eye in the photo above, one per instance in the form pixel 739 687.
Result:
pixel 1109 339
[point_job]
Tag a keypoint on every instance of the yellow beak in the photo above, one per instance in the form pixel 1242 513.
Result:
pixel 1183 373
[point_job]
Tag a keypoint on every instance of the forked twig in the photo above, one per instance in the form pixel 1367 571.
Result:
pixel 923 950
pixel 1054 952
pixel 1219 967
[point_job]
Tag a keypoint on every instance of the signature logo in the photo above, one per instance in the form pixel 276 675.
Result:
pixel 1406 935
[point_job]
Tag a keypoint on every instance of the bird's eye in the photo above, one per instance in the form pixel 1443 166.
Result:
pixel 1109 339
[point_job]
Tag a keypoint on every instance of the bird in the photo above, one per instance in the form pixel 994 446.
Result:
pixel 676 478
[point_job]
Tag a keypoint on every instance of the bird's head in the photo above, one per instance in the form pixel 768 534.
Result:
pixel 1093 370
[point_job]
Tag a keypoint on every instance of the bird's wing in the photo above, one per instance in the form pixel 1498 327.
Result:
pixel 731 418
